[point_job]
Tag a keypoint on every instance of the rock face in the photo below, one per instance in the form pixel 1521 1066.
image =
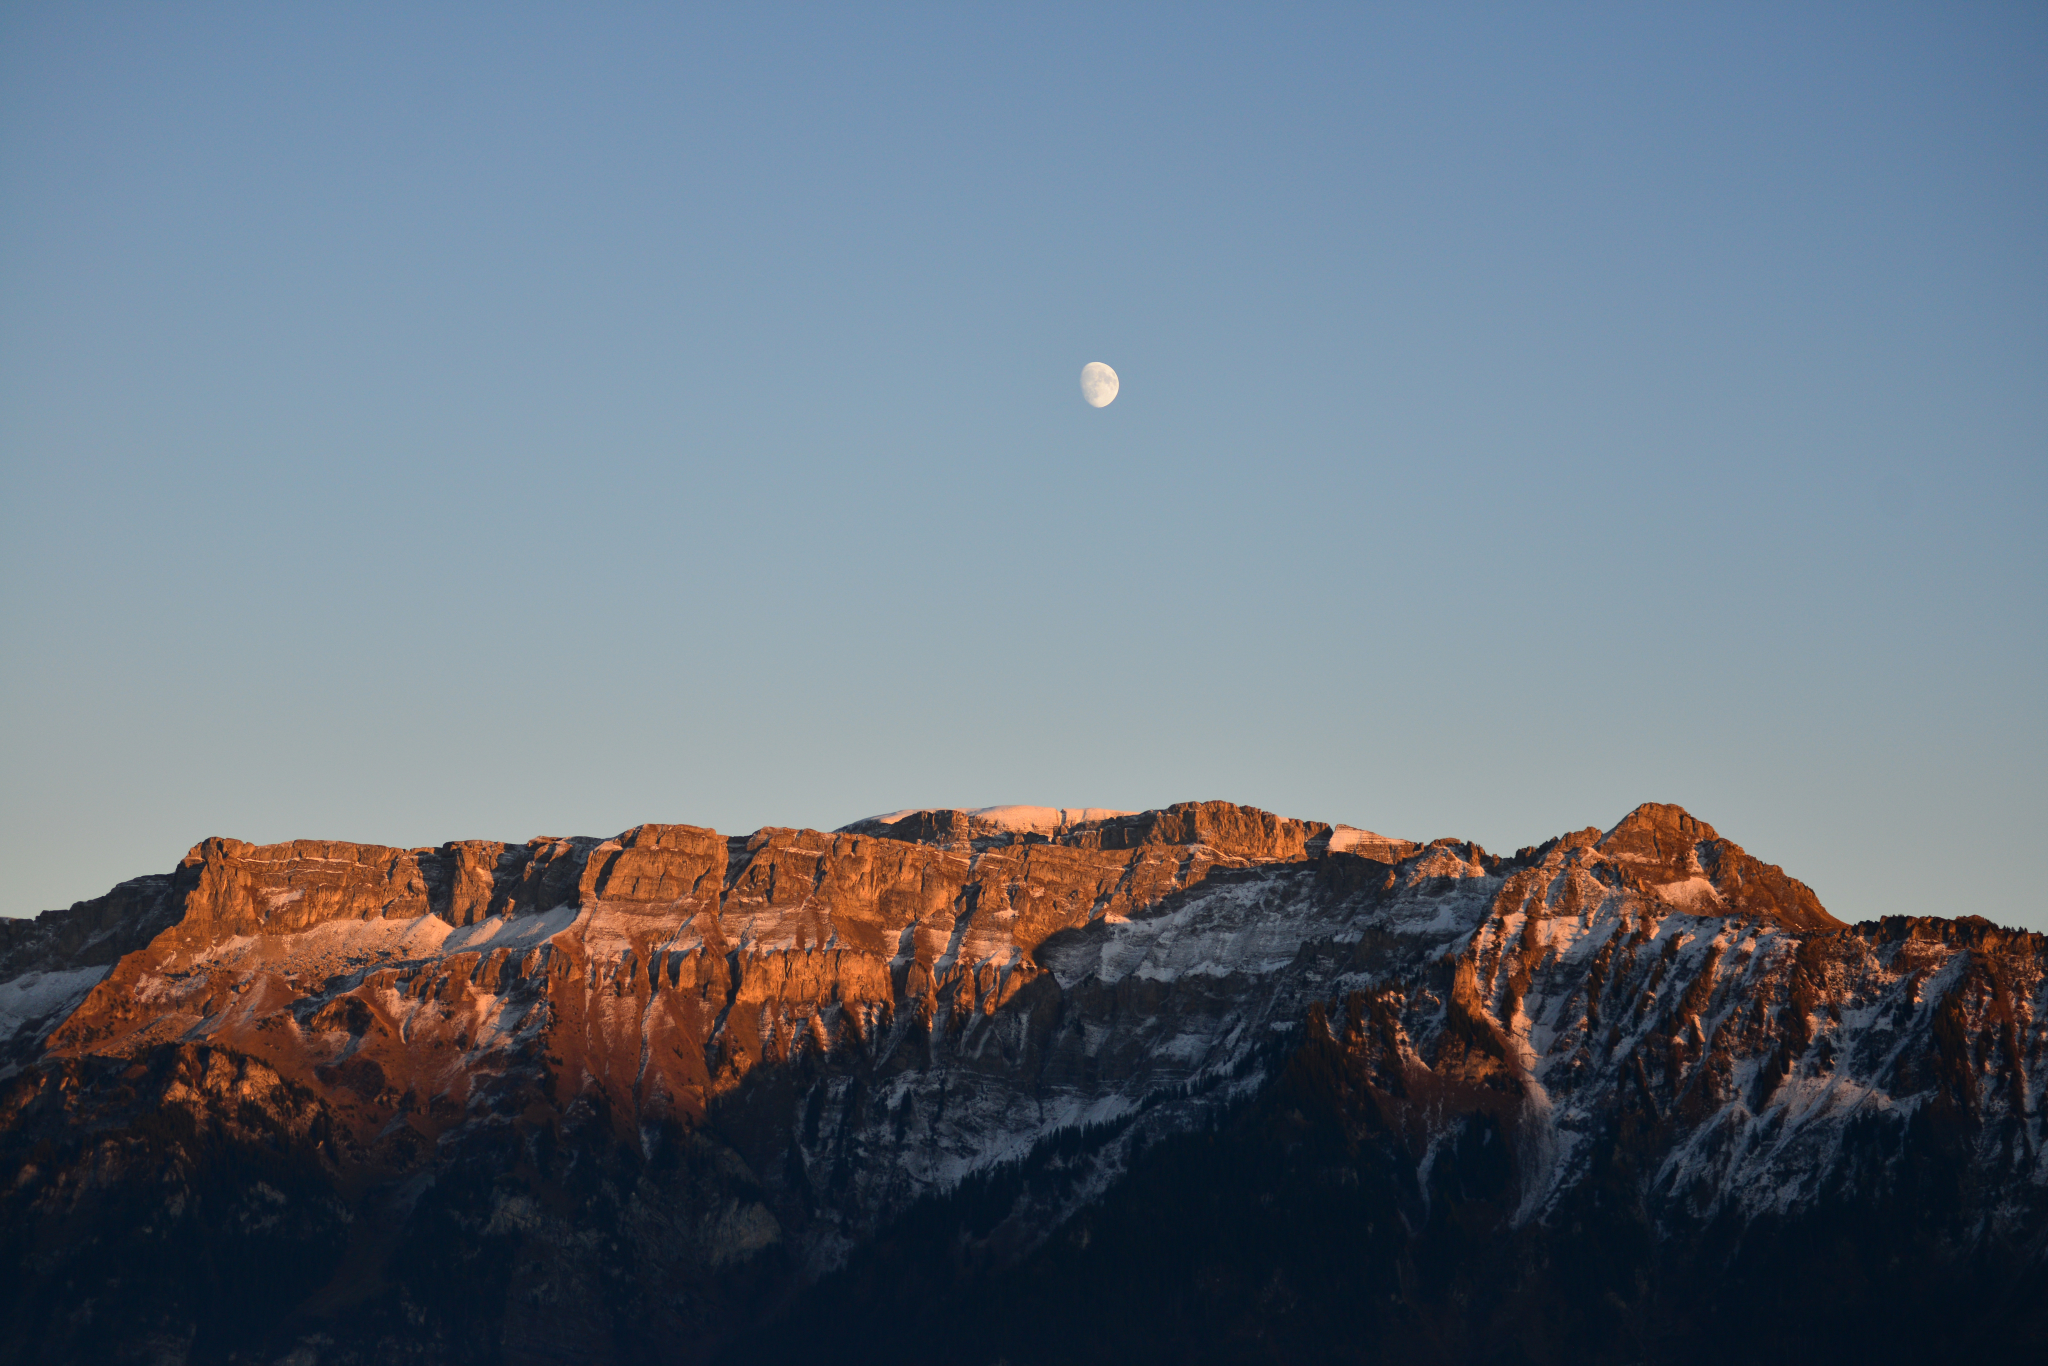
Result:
pixel 1200 1083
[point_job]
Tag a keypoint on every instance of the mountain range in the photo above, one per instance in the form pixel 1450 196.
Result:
pixel 1020 1085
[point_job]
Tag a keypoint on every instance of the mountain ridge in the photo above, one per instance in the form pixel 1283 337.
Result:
pixel 771 1051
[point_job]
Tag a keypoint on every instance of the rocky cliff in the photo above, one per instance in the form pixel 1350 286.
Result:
pixel 1200 1083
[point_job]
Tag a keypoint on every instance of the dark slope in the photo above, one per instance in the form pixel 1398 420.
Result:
pixel 1302 1229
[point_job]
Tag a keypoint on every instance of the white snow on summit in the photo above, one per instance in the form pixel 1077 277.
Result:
pixel 1037 820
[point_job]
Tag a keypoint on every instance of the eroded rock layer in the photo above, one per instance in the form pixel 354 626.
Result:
pixel 694 1095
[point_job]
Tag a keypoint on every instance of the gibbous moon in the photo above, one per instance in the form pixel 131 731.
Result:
pixel 1098 384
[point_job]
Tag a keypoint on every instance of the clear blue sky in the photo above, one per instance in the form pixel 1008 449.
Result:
pixel 516 421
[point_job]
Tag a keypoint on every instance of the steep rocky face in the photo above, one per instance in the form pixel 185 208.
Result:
pixel 48 964
pixel 684 1094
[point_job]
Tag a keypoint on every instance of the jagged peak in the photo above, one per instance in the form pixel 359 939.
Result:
pixel 1672 851
pixel 1655 830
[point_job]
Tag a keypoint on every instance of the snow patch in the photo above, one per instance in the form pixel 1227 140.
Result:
pixel 1693 893
pixel 1034 820
pixel 343 946
pixel 36 997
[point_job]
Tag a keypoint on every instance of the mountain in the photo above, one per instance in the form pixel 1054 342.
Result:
pixel 1022 1085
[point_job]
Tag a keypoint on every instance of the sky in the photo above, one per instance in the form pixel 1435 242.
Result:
pixel 429 423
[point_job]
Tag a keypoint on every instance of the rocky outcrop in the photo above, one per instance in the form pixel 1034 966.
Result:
pixel 697 1091
pixel 91 933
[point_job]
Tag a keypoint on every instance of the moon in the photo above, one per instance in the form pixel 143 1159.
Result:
pixel 1098 384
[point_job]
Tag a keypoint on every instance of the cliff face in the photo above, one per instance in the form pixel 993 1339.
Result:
pixel 691 1095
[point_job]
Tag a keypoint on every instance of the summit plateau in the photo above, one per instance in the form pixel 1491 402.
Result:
pixel 1029 1085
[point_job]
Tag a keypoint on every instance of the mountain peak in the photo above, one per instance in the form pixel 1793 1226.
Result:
pixel 1672 852
pixel 1655 831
